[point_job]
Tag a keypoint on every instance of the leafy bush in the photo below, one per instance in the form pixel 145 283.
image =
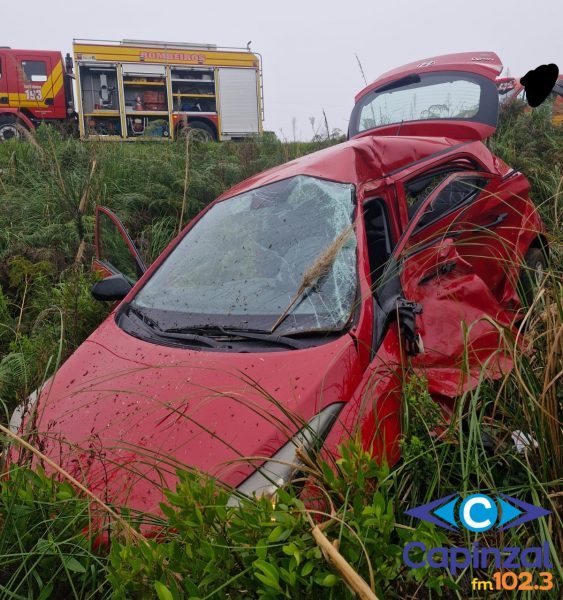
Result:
pixel 260 548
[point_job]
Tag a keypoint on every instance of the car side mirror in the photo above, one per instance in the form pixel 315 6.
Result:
pixel 115 287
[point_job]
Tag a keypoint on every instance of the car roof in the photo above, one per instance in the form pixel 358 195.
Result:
pixel 356 161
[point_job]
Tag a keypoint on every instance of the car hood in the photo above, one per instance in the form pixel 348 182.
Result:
pixel 123 414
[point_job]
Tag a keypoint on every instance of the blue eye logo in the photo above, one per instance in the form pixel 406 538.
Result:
pixel 477 512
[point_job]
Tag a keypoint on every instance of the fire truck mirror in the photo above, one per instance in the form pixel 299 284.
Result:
pixel 69 64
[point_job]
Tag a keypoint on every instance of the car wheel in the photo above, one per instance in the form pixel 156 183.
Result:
pixel 200 132
pixel 532 275
pixel 9 129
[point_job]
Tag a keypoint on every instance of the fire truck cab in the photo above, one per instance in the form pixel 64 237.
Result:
pixel 35 87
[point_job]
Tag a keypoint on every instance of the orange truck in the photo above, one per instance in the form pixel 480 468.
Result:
pixel 133 90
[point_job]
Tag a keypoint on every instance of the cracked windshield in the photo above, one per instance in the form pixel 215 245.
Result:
pixel 243 263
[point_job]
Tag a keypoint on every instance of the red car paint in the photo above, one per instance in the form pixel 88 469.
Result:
pixel 123 413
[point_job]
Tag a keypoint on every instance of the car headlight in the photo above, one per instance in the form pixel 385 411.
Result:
pixel 16 421
pixel 279 469
pixel 22 409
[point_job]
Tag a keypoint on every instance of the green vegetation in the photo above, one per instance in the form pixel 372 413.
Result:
pixel 266 549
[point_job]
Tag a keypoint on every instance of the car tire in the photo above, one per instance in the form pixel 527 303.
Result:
pixel 10 128
pixel 201 132
pixel 532 274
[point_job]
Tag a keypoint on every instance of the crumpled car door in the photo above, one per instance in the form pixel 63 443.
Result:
pixel 447 311
pixel 491 220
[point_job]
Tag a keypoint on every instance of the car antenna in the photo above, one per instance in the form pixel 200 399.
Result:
pixel 399 130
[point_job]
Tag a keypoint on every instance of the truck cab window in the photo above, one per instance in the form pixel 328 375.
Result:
pixel 34 71
pixel 378 238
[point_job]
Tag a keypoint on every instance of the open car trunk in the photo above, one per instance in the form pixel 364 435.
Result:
pixel 446 96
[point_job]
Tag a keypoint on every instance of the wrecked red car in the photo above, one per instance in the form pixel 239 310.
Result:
pixel 287 311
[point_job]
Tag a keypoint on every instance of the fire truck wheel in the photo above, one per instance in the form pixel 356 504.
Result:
pixel 10 128
pixel 200 132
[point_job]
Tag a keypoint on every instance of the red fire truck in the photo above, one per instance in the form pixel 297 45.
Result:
pixel 133 90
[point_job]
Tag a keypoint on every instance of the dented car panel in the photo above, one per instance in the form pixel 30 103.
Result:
pixel 225 346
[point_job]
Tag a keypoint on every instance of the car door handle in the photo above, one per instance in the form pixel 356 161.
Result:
pixel 4 100
pixel 49 101
pixel 494 223
pixel 476 228
pixel 442 269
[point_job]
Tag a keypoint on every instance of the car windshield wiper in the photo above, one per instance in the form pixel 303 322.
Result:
pixel 173 335
pixel 315 272
pixel 264 336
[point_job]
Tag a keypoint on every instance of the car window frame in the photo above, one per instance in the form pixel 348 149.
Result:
pixel 468 200
pixel 124 234
pixel 382 201
pixel 412 226
pixel 459 163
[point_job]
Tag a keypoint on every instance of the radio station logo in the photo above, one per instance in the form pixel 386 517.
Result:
pixel 477 512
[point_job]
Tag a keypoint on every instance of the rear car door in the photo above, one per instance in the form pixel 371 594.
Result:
pixel 483 213
pixel 115 252
pixel 443 304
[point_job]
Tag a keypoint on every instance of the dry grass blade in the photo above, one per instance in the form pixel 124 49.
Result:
pixel 317 270
pixel 186 179
pixel 83 205
pixel 29 137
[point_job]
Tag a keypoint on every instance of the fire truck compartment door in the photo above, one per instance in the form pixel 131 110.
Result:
pixel 238 101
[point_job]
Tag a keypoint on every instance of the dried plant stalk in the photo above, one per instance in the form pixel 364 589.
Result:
pixel 317 270
pixel 131 533
pixel 351 577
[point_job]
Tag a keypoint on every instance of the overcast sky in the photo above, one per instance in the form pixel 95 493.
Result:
pixel 308 47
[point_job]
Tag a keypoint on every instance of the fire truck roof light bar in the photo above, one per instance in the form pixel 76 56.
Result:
pixel 158 44
pixel 153 44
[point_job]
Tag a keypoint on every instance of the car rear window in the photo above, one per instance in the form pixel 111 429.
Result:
pixel 446 95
